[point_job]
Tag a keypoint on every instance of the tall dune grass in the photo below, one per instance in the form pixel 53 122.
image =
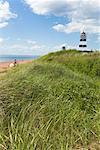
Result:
pixel 48 106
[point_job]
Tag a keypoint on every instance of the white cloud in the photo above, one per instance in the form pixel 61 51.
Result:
pixel 1 40
pixel 88 25
pixel 31 42
pixel 5 13
pixel 23 47
pixel 3 24
pixel 80 13
pixel 33 45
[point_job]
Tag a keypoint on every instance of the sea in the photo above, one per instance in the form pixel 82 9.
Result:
pixel 11 58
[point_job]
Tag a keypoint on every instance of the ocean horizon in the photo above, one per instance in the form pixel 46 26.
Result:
pixel 10 58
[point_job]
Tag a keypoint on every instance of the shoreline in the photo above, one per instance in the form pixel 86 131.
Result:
pixel 5 65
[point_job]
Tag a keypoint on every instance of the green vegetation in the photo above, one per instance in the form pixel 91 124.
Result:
pixel 88 64
pixel 51 103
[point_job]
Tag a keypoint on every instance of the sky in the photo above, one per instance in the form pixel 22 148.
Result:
pixel 37 27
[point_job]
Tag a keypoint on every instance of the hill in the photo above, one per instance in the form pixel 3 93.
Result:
pixel 51 103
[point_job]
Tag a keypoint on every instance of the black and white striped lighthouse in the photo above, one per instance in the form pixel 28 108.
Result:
pixel 83 43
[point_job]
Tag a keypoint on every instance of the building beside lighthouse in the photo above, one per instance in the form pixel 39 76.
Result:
pixel 83 40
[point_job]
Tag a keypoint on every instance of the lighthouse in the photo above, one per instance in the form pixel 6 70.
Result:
pixel 82 43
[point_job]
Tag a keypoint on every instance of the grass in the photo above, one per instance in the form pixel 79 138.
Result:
pixel 88 64
pixel 51 104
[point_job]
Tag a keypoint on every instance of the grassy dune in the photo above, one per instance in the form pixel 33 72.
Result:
pixel 52 103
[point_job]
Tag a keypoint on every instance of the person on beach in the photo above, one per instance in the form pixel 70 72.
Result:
pixel 13 64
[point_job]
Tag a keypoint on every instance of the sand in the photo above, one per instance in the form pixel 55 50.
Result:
pixel 4 66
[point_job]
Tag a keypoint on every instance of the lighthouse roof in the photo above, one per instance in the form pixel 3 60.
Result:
pixel 83 32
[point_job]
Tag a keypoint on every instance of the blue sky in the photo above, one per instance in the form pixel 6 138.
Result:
pixel 36 27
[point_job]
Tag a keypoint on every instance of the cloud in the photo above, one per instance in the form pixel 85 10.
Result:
pixel 5 13
pixel 1 40
pixel 22 46
pixel 88 25
pixel 34 45
pixel 81 14
pixel 31 42
pixel 26 45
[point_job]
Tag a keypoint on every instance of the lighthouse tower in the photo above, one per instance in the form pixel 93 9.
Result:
pixel 83 43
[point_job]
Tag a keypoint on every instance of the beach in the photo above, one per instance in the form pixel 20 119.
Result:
pixel 4 66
